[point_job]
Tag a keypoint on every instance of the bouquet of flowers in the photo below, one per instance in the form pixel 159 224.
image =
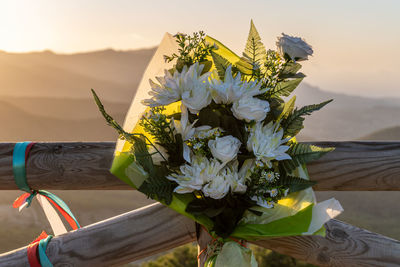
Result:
pixel 215 141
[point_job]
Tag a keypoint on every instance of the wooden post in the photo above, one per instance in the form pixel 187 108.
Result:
pixel 203 239
pixel 353 166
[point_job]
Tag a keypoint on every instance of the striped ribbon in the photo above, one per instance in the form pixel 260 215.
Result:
pixel 38 247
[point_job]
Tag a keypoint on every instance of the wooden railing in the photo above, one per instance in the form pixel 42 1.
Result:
pixel 353 166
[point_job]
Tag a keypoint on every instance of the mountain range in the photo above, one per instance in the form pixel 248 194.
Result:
pixel 49 94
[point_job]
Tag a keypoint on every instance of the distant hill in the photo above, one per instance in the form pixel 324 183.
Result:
pixel 57 86
pixel 114 74
pixel 64 108
pixel 19 125
pixel 347 117
pixel 392 133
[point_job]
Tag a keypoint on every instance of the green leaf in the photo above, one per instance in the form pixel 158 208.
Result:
pixel 255 51
pixel 221 64
pixel 244 66
pixel 234 127
pixel 287 109
pixel 209 116
pixel 286 87
pixel 294 122
pixel 157 186
pixel 289 70
pixel 302 154
pixel 295 184
pixel 207 66
pixel 223 51
pixel 142 155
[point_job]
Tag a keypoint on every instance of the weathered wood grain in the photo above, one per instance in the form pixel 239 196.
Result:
pixel 115 241
pixel 156 228
pixel 203 239
pixel 358 166
pixel 344 245
pixel 353 166
pixel 66 166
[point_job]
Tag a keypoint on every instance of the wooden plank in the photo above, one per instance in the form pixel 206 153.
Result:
pixel 116 241
pixel 156 228
pixel 353 166
pixel 65 166
pixel 358 166
pixel 344 245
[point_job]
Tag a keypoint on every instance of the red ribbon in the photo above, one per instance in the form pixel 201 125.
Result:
pixel 21 200
pixel 33 256
pixel 67 217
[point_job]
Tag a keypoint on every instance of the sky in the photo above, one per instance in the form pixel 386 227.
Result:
pixel 356 43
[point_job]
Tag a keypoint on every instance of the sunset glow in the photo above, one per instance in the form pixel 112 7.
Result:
pixel 347 36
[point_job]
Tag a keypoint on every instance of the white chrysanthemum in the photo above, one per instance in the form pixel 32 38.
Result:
pixel 191 176
pixel 228 179
pixel 185 129
pixel 232 89
pixel 217 185
pixel 209 176
pixel 217 188
pixel 238 179
pixel 267 143
pixel 189 83
pixel 263 203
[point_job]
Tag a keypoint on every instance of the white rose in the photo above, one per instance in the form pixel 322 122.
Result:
pixel 224 148
pixel 295 47
pixel 217 188
pixel 250 108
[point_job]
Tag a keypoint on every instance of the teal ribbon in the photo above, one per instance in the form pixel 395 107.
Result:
pixel 60 203
pixel 19 168
pixel 44 260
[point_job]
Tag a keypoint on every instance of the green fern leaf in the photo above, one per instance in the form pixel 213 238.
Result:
pixel 295 184
pixel 221 64
pixel 294 122
pixel 289 70
pixel 157 186
pixel 286 87
pixel 302 154
pixel 255 51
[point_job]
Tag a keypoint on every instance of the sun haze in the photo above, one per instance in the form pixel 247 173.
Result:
pixel 355 42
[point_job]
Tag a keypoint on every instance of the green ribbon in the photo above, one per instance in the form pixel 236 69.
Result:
pixel 19 168
pixel 44 260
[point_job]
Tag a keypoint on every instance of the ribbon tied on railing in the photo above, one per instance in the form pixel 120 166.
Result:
pixel 48 201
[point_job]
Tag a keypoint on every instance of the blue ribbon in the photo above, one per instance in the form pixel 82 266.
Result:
pixel 19 168
pixel 44 260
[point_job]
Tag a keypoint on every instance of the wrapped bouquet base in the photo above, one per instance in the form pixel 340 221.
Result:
pixel 216 142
